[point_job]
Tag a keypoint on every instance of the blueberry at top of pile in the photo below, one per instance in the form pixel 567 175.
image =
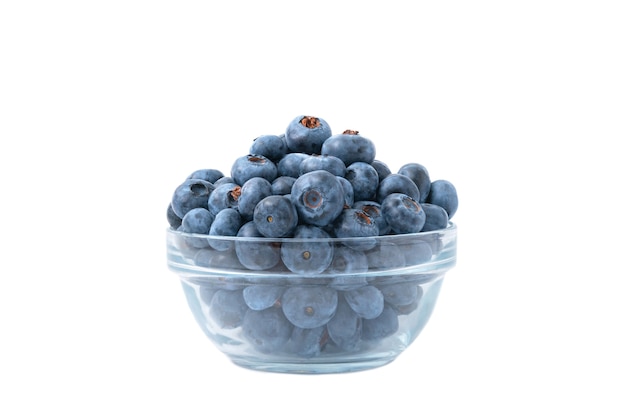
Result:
pixel 311 183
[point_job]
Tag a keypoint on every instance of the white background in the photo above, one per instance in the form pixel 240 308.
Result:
pixel 105 107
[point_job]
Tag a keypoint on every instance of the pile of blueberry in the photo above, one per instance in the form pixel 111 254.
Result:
pixel 310 184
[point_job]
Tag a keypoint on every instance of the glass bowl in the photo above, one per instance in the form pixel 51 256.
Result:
pixel 312 305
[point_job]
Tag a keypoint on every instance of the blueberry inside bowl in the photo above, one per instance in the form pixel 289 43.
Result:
pixel 312 304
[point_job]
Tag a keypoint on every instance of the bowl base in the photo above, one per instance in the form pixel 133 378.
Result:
pixel 312 367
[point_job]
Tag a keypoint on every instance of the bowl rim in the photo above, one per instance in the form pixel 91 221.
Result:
pixel 449 230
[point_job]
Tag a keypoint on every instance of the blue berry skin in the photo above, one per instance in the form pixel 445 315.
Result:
pixel 364 180
pixel 443 193
pixel 347 261
pixel 318 197
pixel 401 293
pixel 228 308
pixel 272 147
pixel 355 223
pixel 309 253
pixel 248 166
pixel 350 147
pixel 385 256
pixel 172 219
pixel 275 216
pixel 373 209
pixel 367 301
pixel 256 255
pixel 348 192
pixel 226 195
pixel 226 223
pixel 225 179
pixel 252 192
pixel 309 306
pixel 436 217
pixel 268 330
pixel 417 251
pixel 407 308
pixel 419 174
pixel 397 183
pixel 289 165
pixel 307 342
pixel 207 174
pixel 210 257
pixel 403 213
pixel 282 185
pixel 382 326
pixel 261 296
pixel 307 134
pixel 381 168
pixel 323 162
pixel 197 221
pixel 192 193
pixel 344 329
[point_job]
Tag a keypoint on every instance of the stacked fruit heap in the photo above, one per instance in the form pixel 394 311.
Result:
pixel 310 184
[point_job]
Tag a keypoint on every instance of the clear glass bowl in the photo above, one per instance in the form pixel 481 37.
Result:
pixel 315 305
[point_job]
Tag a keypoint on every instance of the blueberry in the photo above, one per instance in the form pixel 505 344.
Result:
pixel 348 192
pixel 364 180
pixel 323 162
pixel 397 183
pixel 206 292
pixel 309 252
pixel 228 308
pixel 400 293
pixel 436 217
pixel 318 197
pixel 253 254
pixel 307 342
pixel 289 165
pixel 282 185
pixel 347 261
pixel 381 168
pixel 419 174
pixel 225 179
pixel 344 329
pixel 385 255
pixel 413 305
pixel 226 223
pixel 248 166
pixel 356 223
pixel 225 195
pixel 443 193
pixel 350 147
pixel 197 221
pixel 207 174
pixel 275 216
pixel 307 134
pixel 373 209
pixel 192 193
pixel 272 147
pixel 309 306
pixel 261 296
pixel 367 301
pixel 252 192
pixel 402 213
pixel 172 218
pixel 382 326
pixel 268 330
pixel 210 257
pixel 416 251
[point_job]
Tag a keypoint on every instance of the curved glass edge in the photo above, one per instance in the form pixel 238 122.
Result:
pixel 206 257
